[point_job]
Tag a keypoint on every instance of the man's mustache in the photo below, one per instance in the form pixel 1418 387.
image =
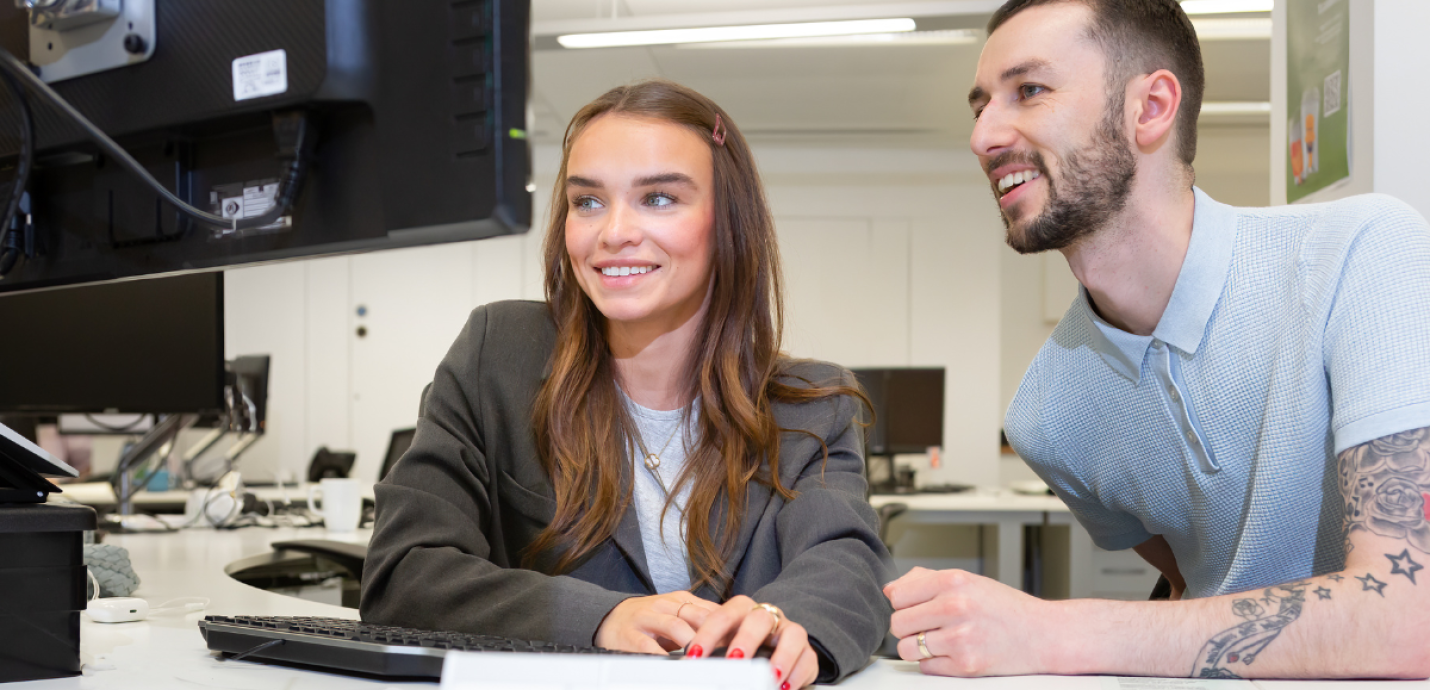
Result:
pixel 1034 159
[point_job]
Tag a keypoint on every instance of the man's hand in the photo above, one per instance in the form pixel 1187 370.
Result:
pixel 742 627
pixel 972 625
pixel 653 625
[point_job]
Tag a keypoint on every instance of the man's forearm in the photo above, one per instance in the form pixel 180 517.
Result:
pixel 1368 622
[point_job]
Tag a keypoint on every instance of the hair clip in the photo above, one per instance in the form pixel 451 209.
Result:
pixel 718 133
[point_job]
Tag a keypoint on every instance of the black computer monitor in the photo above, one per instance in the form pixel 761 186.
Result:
pixel 908 409
pixel 399 443
pixel 132 346
pixel 250 390
pixel 418 111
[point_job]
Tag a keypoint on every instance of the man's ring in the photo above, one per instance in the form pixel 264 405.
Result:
pixel 774 611
pixel 924 647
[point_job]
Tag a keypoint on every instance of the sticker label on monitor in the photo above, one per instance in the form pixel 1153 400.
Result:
pixel 263 74
pixel 246 200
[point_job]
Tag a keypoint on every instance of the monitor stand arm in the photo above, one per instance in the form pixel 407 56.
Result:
pixel 237 449
pixel 161 437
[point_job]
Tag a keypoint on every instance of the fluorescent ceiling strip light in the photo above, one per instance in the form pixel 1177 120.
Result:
pixel 734 33
pixel 1232 29
pixel 1236 108
pixel 1225 6
pixel 950 37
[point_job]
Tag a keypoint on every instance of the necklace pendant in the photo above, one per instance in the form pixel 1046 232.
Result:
pixel 652 461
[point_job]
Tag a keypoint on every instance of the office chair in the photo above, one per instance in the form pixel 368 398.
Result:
pixel 887 513
pixel 345 555
pixel 1162 591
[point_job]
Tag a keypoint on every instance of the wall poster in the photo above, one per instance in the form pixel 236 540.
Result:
pixel 1318 104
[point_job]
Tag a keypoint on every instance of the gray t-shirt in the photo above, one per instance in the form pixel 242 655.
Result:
pixel 664 542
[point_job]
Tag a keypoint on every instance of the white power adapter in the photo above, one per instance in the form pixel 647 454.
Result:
pixel 117 609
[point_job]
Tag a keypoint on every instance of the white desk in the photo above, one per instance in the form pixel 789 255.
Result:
pixel 1007 513
pixel 101 494
pixel 168 653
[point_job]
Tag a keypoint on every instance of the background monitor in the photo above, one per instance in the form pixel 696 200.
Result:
pixel 419 111
pixel 250 388
pixel 908 409
pixel 132 346
pixel 400 442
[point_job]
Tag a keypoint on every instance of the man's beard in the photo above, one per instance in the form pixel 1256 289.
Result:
pixel 1096 181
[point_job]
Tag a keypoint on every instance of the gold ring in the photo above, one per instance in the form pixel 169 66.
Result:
pixel 773 611
pixel 681 608
pixel 923 646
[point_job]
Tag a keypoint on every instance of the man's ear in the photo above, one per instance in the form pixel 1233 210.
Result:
pixel 1156 98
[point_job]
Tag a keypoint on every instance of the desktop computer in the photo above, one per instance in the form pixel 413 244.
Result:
pixel 907 418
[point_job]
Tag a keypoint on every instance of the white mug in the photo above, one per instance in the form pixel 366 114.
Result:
pixel 342 503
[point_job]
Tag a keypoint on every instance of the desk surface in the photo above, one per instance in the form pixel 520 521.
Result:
pixel 978 500
pixel 167 652
pixel 102 494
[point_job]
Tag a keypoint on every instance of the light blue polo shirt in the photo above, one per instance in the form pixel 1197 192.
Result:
pixel 1292 334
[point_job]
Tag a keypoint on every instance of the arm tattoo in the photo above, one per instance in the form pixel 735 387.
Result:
pixel 1385 485
pixel 1404 565
pixel 1386 488
pixel 1238 646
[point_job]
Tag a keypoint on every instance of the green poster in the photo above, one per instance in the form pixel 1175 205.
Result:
pixel 1317 101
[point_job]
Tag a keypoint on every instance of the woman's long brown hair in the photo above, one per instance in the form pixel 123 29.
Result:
pixel 580 422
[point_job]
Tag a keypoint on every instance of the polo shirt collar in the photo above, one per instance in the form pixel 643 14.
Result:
pixel 1194 297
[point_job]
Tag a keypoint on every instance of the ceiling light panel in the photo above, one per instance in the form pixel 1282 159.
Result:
pixel 754 32
pixel 951 37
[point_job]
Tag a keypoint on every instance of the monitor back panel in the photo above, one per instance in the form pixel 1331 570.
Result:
pixel 419 108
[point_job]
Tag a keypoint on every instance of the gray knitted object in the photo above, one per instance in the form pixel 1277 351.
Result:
pixel 110 565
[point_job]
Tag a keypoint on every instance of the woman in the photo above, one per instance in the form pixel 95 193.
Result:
pixel 633 464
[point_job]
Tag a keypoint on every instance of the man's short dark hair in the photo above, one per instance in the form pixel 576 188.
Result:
pixel 1141 37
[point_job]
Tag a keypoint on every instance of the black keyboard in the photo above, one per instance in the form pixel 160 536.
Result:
pixel 355 647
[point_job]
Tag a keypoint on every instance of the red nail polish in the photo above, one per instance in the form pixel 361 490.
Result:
pixel 695 652
pixel 778 673
pixel 735 654
pixel 784 685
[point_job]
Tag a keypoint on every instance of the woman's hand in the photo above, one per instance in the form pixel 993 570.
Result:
pixel 653 625
pixel 742 626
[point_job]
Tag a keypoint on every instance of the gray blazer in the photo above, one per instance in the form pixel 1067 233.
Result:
pixel 455 514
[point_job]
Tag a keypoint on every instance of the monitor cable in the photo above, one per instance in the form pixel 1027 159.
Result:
pixel 293 129
pixel 15 241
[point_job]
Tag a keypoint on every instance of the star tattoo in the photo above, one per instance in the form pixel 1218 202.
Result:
pixel 1323 593
pixel 1398 565
pixel 1335 578
pixel 1369 583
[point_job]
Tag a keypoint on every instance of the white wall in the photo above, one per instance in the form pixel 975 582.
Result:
pixel 889 255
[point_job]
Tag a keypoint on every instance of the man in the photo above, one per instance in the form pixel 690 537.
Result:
pixel 1241 395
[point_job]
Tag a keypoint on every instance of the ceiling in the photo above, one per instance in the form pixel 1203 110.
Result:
pixel 888 94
